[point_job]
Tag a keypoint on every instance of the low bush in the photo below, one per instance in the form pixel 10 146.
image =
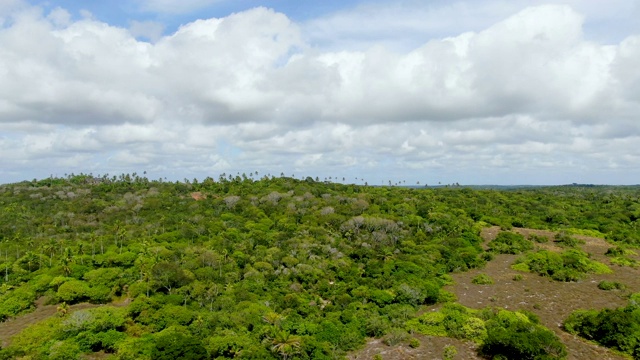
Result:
pixel 510 243
pixel 482 279
pixel 614 328
pixel 538 238
pixel 566 240
pixel 512 335
pixel 625 261
pixel 500 333
pixel 17 301
pixel 570 265
pixel 395 336
pixel 449 352
pixel 610 285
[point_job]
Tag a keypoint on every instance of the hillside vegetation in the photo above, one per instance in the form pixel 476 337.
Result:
pixel 279 267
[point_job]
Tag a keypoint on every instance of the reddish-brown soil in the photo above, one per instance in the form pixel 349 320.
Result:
pixel 552 301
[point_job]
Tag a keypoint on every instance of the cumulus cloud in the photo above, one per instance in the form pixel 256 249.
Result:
pixel 151 30
pixel 256 90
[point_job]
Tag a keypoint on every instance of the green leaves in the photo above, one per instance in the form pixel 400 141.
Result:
pixel 570 265
pixel 615 328
pixel 211 260
pixel 171 345
pixel 514 336
pixel 510 243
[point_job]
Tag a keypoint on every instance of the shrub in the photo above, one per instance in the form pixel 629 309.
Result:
pixel 73 291
pixel 616 251
pixel 474 329
pixel 170 345
pixel 102 276
pixel 95 320
pixel 614 328
pixel 228 344
pixel 449 352
pixel 510 243
pixel 376 326
pixel 395 336
pixel 570 265
pixel 625 261
pixel 133 348
pixel 93 342
pixel 64 350
pixel 382 297
pixel 35 338
pixel 610 285
pixel 414 343
pixel 482 279
pixel 564 239
pixel 445 296
pixel 14 302
pixel 513 336
pixel 538 238
pixel 431 323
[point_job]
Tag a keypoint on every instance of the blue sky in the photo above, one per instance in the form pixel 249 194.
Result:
pixel 121 12
pixel 474 92
pixel 606 23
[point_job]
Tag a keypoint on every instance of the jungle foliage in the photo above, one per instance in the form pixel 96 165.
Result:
pixel 262 268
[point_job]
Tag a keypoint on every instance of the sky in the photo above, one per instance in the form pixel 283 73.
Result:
pixel 506 92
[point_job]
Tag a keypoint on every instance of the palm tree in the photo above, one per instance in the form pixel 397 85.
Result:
pixel 6 265
pixel 273 318
pixel 62 309
pixel 81 252
pixel 30 259
pixel 66 261
pixel 286 344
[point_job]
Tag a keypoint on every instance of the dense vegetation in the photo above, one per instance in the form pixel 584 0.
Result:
pixel 265 268
pixel 615 328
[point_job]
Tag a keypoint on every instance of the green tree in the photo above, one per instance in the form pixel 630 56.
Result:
pixel 172 345
pixel 286 344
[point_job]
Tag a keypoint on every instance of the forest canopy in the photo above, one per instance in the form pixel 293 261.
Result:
pixel 266 267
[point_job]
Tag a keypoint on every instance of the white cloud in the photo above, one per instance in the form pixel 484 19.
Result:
pixel 151 30
pixel 255 90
